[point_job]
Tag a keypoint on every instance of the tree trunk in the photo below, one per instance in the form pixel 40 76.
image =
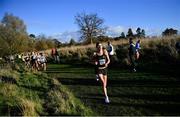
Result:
pixel 91 40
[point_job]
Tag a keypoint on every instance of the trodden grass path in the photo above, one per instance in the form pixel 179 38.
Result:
pixel 142 93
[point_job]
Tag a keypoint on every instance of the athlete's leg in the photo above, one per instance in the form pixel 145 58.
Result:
pixel 44 66
pixel 104 82
pixel 137 55
pixel 101 77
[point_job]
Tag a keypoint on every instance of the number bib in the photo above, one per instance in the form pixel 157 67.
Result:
pixel 102 61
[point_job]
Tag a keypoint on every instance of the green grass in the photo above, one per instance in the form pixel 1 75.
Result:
pixel 26 93
pixel 142 93
pixel 72 90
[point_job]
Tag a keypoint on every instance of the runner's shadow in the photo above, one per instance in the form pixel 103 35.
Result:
pixel 93 100
pixel 121 82
pixel 158 83
pixel 73 72
pixel 150 97
pixel 79 81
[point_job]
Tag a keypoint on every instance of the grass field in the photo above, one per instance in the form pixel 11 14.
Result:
pixel 141 93
pixel 29 93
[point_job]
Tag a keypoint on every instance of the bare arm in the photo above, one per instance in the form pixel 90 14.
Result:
pixel 107 56
pixel 93 59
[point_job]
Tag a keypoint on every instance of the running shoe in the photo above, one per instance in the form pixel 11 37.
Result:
pixel 107 100
pixel 97 77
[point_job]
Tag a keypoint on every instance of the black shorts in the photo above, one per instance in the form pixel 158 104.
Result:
pixel 42 62
pixel 102 71
pixel 33 61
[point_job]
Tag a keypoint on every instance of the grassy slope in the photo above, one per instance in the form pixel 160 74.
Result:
pixel 145 43
pixel 143 93
pixel 34 93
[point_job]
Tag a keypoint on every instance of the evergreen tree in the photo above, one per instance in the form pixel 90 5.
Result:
pixel 143 34
pixel 138 32
pixel 122 35
pixel 130 33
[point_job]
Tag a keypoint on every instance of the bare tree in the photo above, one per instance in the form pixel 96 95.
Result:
pixel 90 26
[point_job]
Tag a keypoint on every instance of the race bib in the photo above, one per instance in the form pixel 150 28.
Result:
pixel 102 61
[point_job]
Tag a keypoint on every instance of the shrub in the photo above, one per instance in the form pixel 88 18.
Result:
pixel 154 50
pixel 9 75
pixel 62 102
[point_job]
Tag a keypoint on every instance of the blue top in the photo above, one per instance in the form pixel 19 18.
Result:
pixel 137 45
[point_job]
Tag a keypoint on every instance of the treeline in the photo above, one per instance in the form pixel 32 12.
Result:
pixel 92 29
pixel 140 34
pixel 15 39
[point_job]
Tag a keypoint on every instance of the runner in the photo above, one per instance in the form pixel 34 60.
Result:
pixel 34 61
pixel 132 51
pixel 27 61
pixel 38 63
pixel 110 50
pixel 43 61
pixel 102 60
pixel 55 55
pixel 137 49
